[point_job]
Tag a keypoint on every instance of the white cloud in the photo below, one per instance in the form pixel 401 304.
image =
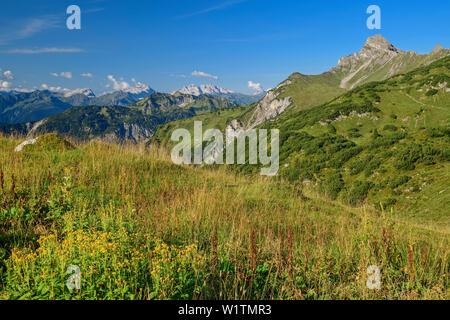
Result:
pixel 66 74
pixel 25 28
pixel 54 89
pixel 44 50
pixel 87 75
pixel 118 85
pixel 256 87
pixel 125 86
pixel 203 75
pixel 5 85
pixel 8 75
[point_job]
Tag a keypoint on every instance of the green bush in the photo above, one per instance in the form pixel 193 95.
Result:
pixel 358 192
pixel 399 181
pixel 357 167
pixel 438 132
pixel 408 156
pixel 390 127
pixel 333 185
pixel 431 92
pixel 444 154
pixel 371 166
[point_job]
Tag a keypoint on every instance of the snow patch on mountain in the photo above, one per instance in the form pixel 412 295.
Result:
pixel 84 91
pixel 209 89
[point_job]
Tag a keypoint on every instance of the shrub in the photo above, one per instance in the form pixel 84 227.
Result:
pixel 386 140
pixel 431 92
pixel 357 167
pixel 332 129
pixel 390 127
pixel 407 157
pixel 444 154
pixel 344 155
pixel 438 132
pixel 333 185
pixel 398 181
pixel 404 165
pixel 371 166
pixel 354 133
pixel 358 192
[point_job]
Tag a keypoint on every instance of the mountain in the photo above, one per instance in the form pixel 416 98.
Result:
pixel 80 97
pixel 134 123
pixel 209 89
pixel 30 106
pixel 85 92
pixel 384 143
pixel 123 97
pixel 160 103
pixel 377 60
pixel 21 107
pixel 214 90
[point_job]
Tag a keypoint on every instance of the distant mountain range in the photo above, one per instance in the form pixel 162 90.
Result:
pixel 22 107
pixel 19 107
pixel 140 110
pixel 115 124
pixel 214 90
pixel 30 106
pixel 210 89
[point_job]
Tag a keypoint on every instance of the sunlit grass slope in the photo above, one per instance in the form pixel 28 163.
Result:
pixel 139 227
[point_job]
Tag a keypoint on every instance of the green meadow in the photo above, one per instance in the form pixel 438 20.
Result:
pixel 140 227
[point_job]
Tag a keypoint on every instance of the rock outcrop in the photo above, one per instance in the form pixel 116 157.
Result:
pixel 25 143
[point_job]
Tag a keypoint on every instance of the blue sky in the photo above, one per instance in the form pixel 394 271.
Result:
pixel 161 43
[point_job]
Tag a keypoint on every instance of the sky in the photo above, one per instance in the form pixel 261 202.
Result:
pixel 241 45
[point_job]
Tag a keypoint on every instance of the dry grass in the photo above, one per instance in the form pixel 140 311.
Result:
pixel 260 239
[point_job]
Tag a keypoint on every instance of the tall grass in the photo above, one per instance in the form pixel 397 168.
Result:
pixel 140 227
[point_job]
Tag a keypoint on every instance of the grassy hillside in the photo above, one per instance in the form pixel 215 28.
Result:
pixel 139 227
pixel 385 142
pixel 308 91
pixel 211 120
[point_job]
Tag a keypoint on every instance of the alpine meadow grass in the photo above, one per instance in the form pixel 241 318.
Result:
pixel 140 227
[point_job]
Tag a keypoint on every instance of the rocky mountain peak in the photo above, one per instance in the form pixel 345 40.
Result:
pixel 438 48
pixel 377 45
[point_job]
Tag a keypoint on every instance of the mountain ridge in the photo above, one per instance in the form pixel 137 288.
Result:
pixel 377 60
pixel 214 90
pixel 117 124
